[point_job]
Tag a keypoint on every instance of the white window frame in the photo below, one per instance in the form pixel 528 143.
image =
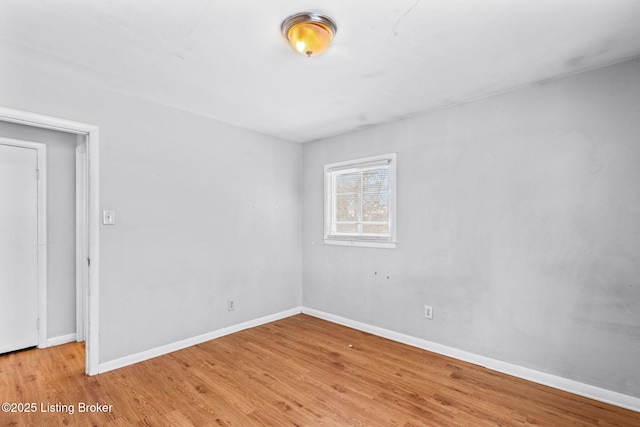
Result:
pixel 388 242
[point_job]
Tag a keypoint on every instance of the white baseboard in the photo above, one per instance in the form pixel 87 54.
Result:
pixel 564 384
pixel 159 351
pixel 62 339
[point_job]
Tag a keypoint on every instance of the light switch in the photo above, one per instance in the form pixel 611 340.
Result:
pixel 109 217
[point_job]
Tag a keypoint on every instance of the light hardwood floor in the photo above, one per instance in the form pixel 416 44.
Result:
pixel 296 371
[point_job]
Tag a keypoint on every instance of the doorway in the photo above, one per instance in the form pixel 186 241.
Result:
pixel 87 176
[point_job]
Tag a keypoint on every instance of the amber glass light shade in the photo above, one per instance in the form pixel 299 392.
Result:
pixel 309 34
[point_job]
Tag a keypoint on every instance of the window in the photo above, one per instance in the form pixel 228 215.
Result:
pixel 360 202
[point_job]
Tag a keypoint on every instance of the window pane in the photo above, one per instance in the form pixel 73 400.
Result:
pixel 348 183
pixel 347 228
pixel 375 203
pixel 347 207
pixel 376 180
pixel 375 212
pixel 375 229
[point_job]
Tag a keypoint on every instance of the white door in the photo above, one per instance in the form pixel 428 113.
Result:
pixel 18 248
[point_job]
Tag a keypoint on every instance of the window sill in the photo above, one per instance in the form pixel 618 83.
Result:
pixel 360 243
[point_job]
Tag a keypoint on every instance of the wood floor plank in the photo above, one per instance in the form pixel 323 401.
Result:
pixel 296 371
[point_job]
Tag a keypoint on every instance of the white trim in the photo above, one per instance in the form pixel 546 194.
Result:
pixel 356 165
pixel 82 273
pixel 179 345
pixel 93 149
pixel 62 339
pixel 42 121
pixel 361 243
pixel 381 159
pixel 92 331
pixel 564 384
pixel 41 155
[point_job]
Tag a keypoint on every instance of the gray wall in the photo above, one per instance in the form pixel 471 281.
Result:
pixel 518 221
pixel 205 212
pixel 61 223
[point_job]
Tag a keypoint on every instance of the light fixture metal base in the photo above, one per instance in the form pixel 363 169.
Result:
pixel 308 17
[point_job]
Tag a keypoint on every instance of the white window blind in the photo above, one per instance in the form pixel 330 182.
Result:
pixel 360 200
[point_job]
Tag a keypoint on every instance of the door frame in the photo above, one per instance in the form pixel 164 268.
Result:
pixel 90 288
pixel 41 220
pixel 82 251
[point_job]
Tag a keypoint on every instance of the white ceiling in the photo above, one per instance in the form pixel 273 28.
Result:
pixel 227 59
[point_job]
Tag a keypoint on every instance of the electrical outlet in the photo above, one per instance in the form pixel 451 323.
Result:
pixel 231 305
pixel 428 312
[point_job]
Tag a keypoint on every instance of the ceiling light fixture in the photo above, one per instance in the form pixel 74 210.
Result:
pixel 309 33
